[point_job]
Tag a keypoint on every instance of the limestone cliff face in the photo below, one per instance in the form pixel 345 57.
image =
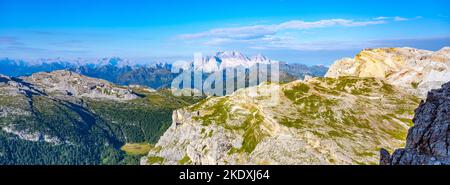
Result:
pixel 318 121
pixel 417 71
pixel 428 141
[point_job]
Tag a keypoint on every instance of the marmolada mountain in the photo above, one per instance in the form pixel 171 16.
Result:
pixel 384 106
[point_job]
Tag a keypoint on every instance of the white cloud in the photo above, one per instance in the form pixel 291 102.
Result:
pixel 336 45
pixel 279 37
pixel 397 18
pixel 261 31
pixel 381 18
pixel 310 46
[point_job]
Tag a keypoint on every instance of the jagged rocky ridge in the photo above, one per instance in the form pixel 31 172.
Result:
pixel 428 141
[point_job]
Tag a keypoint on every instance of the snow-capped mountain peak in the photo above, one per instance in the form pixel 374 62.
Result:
pixel 114 61
pixel 232 55
pixel 229 59
pixel 261 59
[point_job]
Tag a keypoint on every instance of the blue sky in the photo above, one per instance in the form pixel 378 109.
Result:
pixel 310 32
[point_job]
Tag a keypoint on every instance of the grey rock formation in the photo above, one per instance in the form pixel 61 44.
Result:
pixel 428 142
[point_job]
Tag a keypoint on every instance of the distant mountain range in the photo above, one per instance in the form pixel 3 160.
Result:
pixel 117 70
pixel 124 72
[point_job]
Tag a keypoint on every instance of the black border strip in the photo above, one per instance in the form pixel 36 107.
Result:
pixel 277 174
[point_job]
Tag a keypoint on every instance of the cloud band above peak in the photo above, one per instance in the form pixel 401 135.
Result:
pixel 259 31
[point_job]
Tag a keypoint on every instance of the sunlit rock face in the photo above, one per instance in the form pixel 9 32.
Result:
pixel 417 71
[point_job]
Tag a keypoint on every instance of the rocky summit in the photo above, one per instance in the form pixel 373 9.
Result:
pixel 417 71
pixel 343 120
pixel 67 83
pixel 428 141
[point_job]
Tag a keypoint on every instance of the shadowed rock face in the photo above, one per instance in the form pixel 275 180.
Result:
pixel 428 142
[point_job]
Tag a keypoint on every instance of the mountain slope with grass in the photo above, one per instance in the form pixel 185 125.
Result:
pixel 344 120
